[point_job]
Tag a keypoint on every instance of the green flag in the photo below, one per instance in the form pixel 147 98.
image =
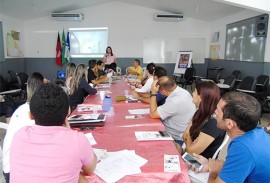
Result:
pixel 63 45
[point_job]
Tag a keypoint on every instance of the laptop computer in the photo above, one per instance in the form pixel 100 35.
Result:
pixel 61 75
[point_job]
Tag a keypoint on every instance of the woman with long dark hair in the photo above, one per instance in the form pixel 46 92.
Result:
pixel 109 58
pixel 203 136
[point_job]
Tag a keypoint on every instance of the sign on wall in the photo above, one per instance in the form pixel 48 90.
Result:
pixel 183 61
pixel 13 44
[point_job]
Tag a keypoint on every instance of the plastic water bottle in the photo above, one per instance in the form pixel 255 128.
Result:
pixel 107 104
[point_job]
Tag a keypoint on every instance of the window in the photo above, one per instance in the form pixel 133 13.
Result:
pixel 243 42
pixel 88 42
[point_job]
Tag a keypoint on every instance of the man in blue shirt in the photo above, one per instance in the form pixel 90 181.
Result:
pixel 248 158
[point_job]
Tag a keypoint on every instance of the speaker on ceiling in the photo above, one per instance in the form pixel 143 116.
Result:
pixel 261 25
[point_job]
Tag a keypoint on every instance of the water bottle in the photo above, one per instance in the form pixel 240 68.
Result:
pixel 107 104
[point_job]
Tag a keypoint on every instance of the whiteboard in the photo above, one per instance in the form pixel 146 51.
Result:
pixel 160 50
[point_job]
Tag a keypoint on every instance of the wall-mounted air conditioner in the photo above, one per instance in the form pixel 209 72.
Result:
pixel 67 16
pixel 168 17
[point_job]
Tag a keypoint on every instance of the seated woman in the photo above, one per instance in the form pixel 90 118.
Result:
pixel 20 119
pixel 203 136
pixel 79 87
pixel 70 72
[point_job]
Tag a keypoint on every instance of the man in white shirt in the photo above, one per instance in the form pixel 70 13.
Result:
pixel 178 109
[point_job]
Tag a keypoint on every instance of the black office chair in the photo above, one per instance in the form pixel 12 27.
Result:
pixel 22 79
pixel 13 80
pixel 3 84
pixel 230 80
pixel 247 85
pixel 188 78
pixel 213 74
pixel 237 74
pixel 262 83
pixel 266 102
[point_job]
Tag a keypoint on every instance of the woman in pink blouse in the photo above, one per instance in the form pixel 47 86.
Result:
pixel 109 58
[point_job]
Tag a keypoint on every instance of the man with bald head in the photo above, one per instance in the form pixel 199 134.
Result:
pixel 178 109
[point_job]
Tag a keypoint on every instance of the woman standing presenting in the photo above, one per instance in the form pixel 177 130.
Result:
pixel 109 58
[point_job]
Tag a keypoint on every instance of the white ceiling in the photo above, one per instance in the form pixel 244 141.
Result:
pixel 207 10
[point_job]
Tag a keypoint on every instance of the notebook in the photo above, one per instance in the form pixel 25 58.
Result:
pixel 87 120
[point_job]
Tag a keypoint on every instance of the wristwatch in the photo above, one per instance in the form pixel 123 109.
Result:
pixel 151 94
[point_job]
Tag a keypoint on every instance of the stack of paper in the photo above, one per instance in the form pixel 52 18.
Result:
pixel 119 164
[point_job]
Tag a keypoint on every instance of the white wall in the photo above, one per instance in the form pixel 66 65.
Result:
pixel 220 26
pixel 9 24
pixel 128 25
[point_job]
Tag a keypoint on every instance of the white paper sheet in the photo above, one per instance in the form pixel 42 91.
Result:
pixel 100 153
pixel 171 163
pixel 118 165
pixel 91 138
pixel 139 111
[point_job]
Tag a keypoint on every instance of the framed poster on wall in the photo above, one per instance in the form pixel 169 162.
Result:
pixel 183 61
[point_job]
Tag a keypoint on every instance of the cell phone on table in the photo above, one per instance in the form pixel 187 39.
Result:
pixel 164 134
pixel 191 160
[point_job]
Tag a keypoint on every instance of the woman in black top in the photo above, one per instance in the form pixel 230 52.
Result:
pixel 203 136
pixel 79 87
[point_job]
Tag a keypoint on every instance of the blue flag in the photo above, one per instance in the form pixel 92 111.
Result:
pixel 67 51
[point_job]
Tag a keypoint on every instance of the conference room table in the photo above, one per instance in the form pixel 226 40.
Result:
pixel 118 134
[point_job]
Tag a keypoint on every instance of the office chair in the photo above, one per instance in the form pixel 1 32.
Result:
pixel 14 83
pixel 188 78
pixel 262 83
pixel 228 84
pixel 247 85
pixel 213 74
pixel 144 71
pixel 23 77
pixel 237 74
pixel 118 69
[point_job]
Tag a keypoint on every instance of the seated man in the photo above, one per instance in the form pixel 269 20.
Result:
pixel 136 69
pixel 178 109
pixel 50 151
pixel 248 157
pixel 100 68
pixel 93 75
pixel 145 97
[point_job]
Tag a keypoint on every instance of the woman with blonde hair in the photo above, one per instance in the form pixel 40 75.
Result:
pixel 70 73
pixel 79 87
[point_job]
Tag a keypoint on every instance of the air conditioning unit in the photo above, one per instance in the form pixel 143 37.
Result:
pixel 168 17
pixel 67 16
